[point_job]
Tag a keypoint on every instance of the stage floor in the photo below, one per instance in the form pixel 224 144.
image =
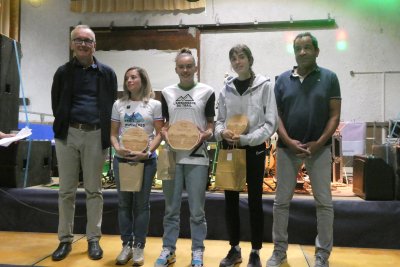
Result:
pixel 34 249
pixel 358 223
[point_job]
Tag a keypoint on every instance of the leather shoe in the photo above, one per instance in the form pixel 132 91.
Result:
pixel 62 251
pixel 94 250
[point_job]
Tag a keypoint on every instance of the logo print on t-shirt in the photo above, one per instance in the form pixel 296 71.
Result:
pixel 185 101
pixel 136 119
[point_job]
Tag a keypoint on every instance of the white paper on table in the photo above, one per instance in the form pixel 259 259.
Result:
pixel 24 133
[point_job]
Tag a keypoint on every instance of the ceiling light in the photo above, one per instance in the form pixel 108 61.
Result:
pixel 35 3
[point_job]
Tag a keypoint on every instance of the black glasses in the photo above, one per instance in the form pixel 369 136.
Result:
pixel 79 41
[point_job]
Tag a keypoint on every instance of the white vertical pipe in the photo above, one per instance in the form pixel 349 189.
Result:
pixel 383 106
pixel 383 95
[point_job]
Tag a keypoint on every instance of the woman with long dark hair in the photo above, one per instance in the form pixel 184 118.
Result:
pixel 253 96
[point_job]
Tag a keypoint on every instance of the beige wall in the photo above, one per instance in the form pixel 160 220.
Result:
pixel 373 46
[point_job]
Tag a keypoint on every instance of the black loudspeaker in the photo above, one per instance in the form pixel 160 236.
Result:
pixel 373 178
pixel 390 153
pixel 14 160
pixel 395 152
pixel 9 85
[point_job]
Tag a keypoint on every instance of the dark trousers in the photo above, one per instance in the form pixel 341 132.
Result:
pixel 255 166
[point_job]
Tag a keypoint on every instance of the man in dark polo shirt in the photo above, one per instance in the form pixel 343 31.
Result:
pixel 309 102
pixel 82 95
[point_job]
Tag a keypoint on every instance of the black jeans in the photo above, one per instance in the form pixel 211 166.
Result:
pixel 255 166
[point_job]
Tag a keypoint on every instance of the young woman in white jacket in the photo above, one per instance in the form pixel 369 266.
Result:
pixel 251 95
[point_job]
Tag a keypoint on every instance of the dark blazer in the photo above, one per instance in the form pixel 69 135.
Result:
pixel 61 98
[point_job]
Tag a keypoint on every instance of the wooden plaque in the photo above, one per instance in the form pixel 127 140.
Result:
pixel 183 135
pixel 135 139
pixel 238 124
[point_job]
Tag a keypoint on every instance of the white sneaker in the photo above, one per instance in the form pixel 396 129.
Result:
pixel 166 258
pixel 125 255
pixel 197 258
pixel 138 257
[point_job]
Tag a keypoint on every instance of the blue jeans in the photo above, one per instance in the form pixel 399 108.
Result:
pixel 319 170
pixel 134 207
pixel 194 177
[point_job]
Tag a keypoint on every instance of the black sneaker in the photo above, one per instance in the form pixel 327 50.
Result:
pixel 321 261
pixel 234 257
pixel 254 260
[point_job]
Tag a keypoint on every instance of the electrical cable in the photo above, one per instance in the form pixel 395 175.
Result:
pixel 42 210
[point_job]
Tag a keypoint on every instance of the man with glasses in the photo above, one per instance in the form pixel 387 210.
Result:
pixel 82 95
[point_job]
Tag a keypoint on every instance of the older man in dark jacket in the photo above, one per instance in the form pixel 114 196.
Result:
pixel 82 95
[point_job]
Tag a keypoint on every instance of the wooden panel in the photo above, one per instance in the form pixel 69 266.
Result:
pixel 36 248
pixel 134 38
pixel 130 39
pixel 15 17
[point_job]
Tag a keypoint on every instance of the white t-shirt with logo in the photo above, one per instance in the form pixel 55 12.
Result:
pixel 189 105
pixel 137 114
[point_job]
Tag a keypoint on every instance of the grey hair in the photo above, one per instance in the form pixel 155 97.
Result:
pixel 85 27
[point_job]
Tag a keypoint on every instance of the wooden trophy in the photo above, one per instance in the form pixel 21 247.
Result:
pixel 135 139
pixel 238 124
pixel 183 135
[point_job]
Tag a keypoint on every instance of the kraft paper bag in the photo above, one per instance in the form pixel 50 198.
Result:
pixel 231 170
pixel 165 164
pixel 131 176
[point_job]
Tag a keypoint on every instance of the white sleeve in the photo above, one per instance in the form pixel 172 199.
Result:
pixel 221 116
pixel 114 112
pixel 270 125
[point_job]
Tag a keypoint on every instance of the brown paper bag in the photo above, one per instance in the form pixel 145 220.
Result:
pixel 165 164
pixel 231 169
pixel 131 176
